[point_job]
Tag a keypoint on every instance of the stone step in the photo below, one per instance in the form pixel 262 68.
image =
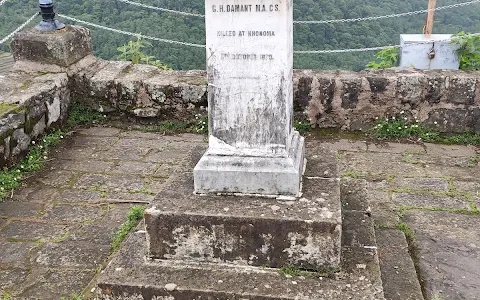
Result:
pixel 132 274
pixel 246 230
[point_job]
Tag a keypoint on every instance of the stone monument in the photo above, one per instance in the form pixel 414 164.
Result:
pixel 253 148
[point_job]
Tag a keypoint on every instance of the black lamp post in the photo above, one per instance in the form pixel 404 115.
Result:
pixel 48 22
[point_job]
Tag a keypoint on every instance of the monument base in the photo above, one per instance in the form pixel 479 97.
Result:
pixel 252 175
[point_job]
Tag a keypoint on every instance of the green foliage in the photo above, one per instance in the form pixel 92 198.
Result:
pixel 469 51
pixel 201 124
pixel 468 138
pixel 80 114
pixel 132 51
pixel 399 127
pixel 302 127
pixel 386 58
pixel 11 178
pixel 73 296
pixel 306 37
pixel 292 271
pixel 5 296
pixel 409 234
pixel 134 216
pixel 351 174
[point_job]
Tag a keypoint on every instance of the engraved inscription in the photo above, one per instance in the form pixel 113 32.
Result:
pixel 245 8
pixel 246 56
pixel 249 33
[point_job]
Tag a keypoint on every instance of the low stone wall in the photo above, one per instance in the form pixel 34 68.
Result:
pixel 141 90
pixel 446 100
pixel 29 107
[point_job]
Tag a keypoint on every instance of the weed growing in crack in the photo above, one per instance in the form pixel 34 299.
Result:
pixel 409 233
pixel 402 127
pixel 73 296
pixel 474 161
pixel 302 127
pixel 5 296
pixel 293 271
pixel 201 124
pixel 80 114
pixel 351 174
pixel 10 179
pixel 399 127
pixel 134 216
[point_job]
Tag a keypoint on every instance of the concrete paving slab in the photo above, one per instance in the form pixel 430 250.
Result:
pixel 11 277
pixel 135 167
pixel 37 193
pixel 15 254
pixel 100 131
pixel 116 153
pixel 399 277
pixel 447 247
pixel 422 184
pixel 78 196
pixel 20 209
pixel 56 178
pixel 58 283
pixel 387 147
pixel 380 166
pixel 32 231
pixel 346 145
pixel 125 183
pixel 428 200
pixel 128 197
pixel 91 166
pixel 72 213
pixel 317 164
pixel 72 254
pixel 450 150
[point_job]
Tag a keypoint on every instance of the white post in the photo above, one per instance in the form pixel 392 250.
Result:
pixel 252 145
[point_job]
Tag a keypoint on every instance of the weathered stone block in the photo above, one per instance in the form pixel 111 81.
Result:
pixel 130 89
pixel 436 88
pixel 246 230
pixel 351 88
pixel 21 140
pixel 447 120
pixel 462 90
pixel 302 93
pixel 103 92
pixel 62 48
pixel 217 173
pixel 411 88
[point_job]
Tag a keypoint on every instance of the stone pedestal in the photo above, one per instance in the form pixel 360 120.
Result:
pixel 252 145
pixel 51 51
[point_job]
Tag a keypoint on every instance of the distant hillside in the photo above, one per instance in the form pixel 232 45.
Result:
pixel 307 37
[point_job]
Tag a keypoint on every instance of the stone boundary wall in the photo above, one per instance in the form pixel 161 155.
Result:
pixel 29 107
pixel 31 104
pixel 446 100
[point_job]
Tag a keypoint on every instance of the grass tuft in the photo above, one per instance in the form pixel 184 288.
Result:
pixel 409 233
pixel 80 114
pixel 302 127
pixel 134 216
pixel 400 127
pixel 10 178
